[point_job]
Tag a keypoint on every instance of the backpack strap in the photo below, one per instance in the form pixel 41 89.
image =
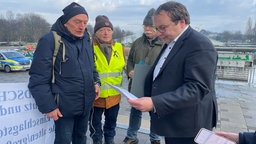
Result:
pixel 58 42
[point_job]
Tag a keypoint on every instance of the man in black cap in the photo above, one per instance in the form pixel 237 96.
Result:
pixel 69 99
pixel 144 50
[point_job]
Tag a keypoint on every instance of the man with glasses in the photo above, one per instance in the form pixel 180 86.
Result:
pixel 180 87
pixel 144 50
pixel 110 62
pixel 64 90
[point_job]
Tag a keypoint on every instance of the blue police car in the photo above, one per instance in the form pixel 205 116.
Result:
pixel 13 61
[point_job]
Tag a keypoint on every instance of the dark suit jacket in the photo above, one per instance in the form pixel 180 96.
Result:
pixel 183 93
pixel 247 138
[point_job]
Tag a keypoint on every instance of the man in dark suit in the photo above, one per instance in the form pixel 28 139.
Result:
pixel 180 87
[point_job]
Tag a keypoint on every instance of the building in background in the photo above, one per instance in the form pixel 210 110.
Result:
pixel 236 63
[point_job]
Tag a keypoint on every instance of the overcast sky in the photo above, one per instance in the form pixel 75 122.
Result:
pixel 213 15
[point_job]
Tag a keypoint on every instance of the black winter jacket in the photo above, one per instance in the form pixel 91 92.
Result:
pixel 74 77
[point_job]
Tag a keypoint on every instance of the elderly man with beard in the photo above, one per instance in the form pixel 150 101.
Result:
pixel 144 50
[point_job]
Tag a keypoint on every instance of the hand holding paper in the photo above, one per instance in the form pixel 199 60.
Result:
pixel 205 136
pixel 143 104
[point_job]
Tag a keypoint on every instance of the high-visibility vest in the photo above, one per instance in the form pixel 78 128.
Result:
pixel 109 72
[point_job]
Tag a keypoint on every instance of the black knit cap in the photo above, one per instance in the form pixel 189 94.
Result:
pixel 72 10
pixel 148 18
pixel 102 21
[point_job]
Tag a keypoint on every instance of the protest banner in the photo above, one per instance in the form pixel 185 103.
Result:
pixel 21 122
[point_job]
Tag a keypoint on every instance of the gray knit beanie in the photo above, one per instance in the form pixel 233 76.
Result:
pixel 102 21
pixel 148 18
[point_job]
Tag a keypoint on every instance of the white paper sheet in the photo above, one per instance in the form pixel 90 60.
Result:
pixel 124 92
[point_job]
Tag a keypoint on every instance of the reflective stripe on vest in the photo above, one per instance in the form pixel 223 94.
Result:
pixel 104 87
pixel 109 72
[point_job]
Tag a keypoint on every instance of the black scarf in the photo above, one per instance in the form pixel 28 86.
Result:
pixel 106 48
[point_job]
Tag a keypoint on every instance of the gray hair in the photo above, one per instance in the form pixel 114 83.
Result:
pixel 176 11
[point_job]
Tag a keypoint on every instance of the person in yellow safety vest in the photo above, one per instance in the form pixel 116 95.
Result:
pixel 109 61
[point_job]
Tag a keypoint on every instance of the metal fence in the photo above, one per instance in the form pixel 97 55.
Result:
pixel 251 76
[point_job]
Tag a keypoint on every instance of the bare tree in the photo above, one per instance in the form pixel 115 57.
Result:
pixel 226 36
pixel 33 26
pixel 118 34
pixel 3 30
pixel 249 30
pixel 27 27
pixel 10 26
pixel 254 33
pixel 237 36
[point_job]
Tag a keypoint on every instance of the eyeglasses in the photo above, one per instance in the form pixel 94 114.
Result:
pixel 150 27
pixel 105 30
pixel 162 28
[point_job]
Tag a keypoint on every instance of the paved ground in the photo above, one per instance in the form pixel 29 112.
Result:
pixel 236 101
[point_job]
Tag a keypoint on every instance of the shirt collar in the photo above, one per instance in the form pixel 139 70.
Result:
pixel 179 35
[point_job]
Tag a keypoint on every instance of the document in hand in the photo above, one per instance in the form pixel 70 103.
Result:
pixel 205 136
pixel 124 92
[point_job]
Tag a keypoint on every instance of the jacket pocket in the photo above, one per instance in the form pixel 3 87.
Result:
pixel 71 104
